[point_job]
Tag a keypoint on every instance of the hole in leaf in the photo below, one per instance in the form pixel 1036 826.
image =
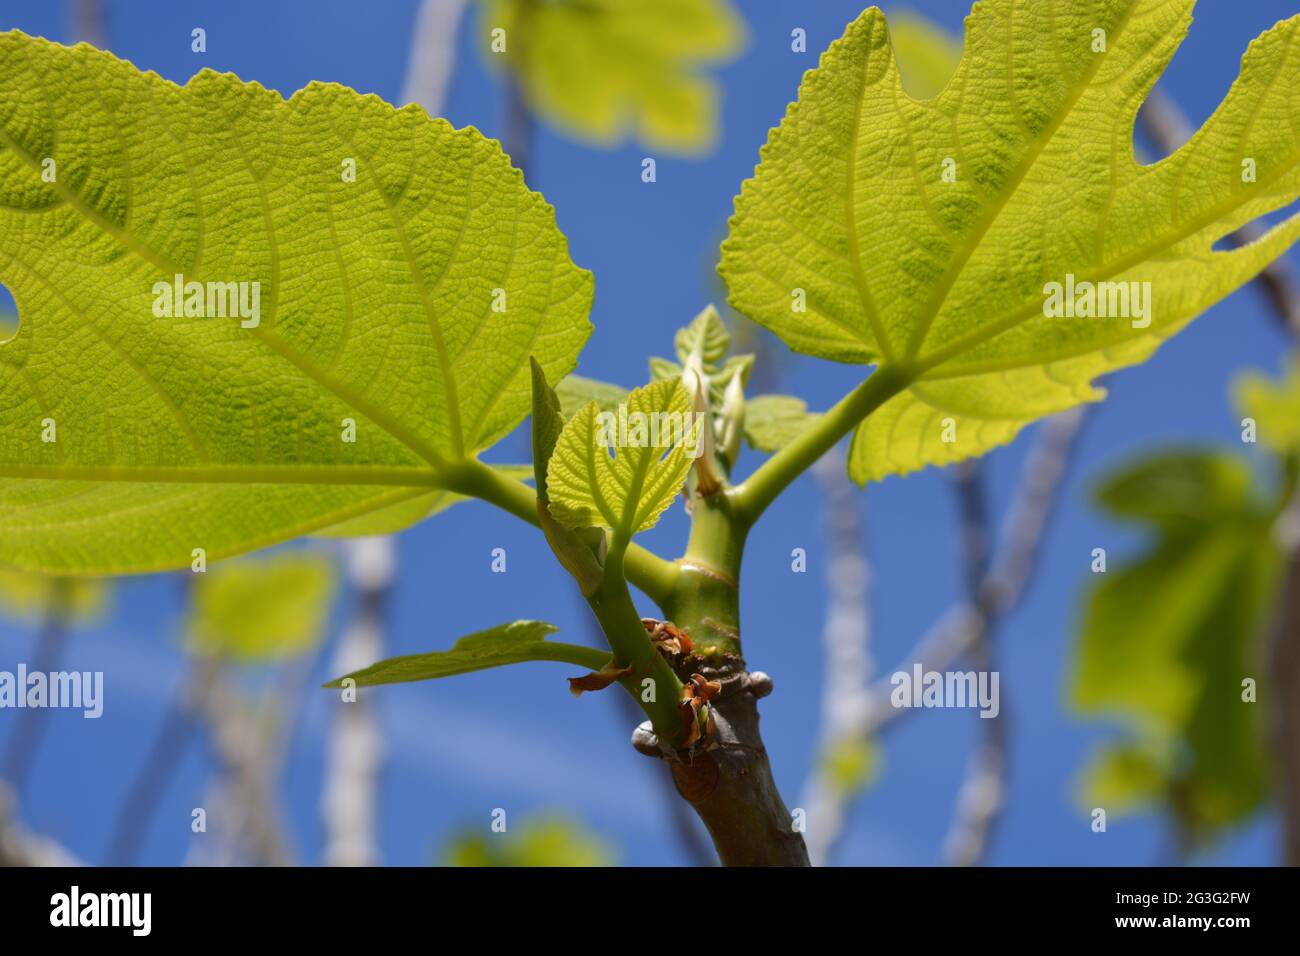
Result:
pixel 1256 228
pixel 8 315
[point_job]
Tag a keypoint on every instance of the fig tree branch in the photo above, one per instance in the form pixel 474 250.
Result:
pixel 751 497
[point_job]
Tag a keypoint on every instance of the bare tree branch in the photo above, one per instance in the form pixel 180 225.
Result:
pixel 29 725
pixel 249 742
pixel 983 791
pixel 846 645
pixel 1008 575
pixel 433 54
pixel 992 588
pixel 982 794
pixel 87 18
pixel 20 848
pixel 169 746
pixel 355 748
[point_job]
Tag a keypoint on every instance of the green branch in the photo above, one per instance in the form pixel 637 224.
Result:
pixel 627 637
pixel 751 497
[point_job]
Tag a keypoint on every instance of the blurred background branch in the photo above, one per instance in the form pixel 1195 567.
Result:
pixel 171 741
pixel 432 54
pixel 841 760
pixel 983 791
pixel 354 751
pixel 28 727
pixel 1010 571
pixel 993 588
pixel 21 848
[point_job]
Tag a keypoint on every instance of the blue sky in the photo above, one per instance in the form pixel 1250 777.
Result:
pixel 515 738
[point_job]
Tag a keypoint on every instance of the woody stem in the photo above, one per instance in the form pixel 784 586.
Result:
pixel 730 785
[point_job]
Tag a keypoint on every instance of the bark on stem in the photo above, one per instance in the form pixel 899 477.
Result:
pixel 733 791
pixel 730 785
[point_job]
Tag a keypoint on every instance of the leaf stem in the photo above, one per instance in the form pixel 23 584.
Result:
pixel 751 497
pixel 627 637
pixel 649 572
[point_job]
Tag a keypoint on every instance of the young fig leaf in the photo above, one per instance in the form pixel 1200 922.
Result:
pixel 574 391
pixel 495 647
pixel 574 549
pixel 706 336
pixel 773 421
pixel 649 439
pixel 998 246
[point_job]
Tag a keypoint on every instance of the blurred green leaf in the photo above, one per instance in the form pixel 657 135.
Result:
pixel 773 421
pixel 540 841
pixel 1124 777
pixel 927 55
pixel 264 609
pixel 504 644
pixel 575 391
pixel 1275 406
pixel 1168 638
pixel 1173 490
pixel 601 70
pixel 31 596
pixel 851 764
